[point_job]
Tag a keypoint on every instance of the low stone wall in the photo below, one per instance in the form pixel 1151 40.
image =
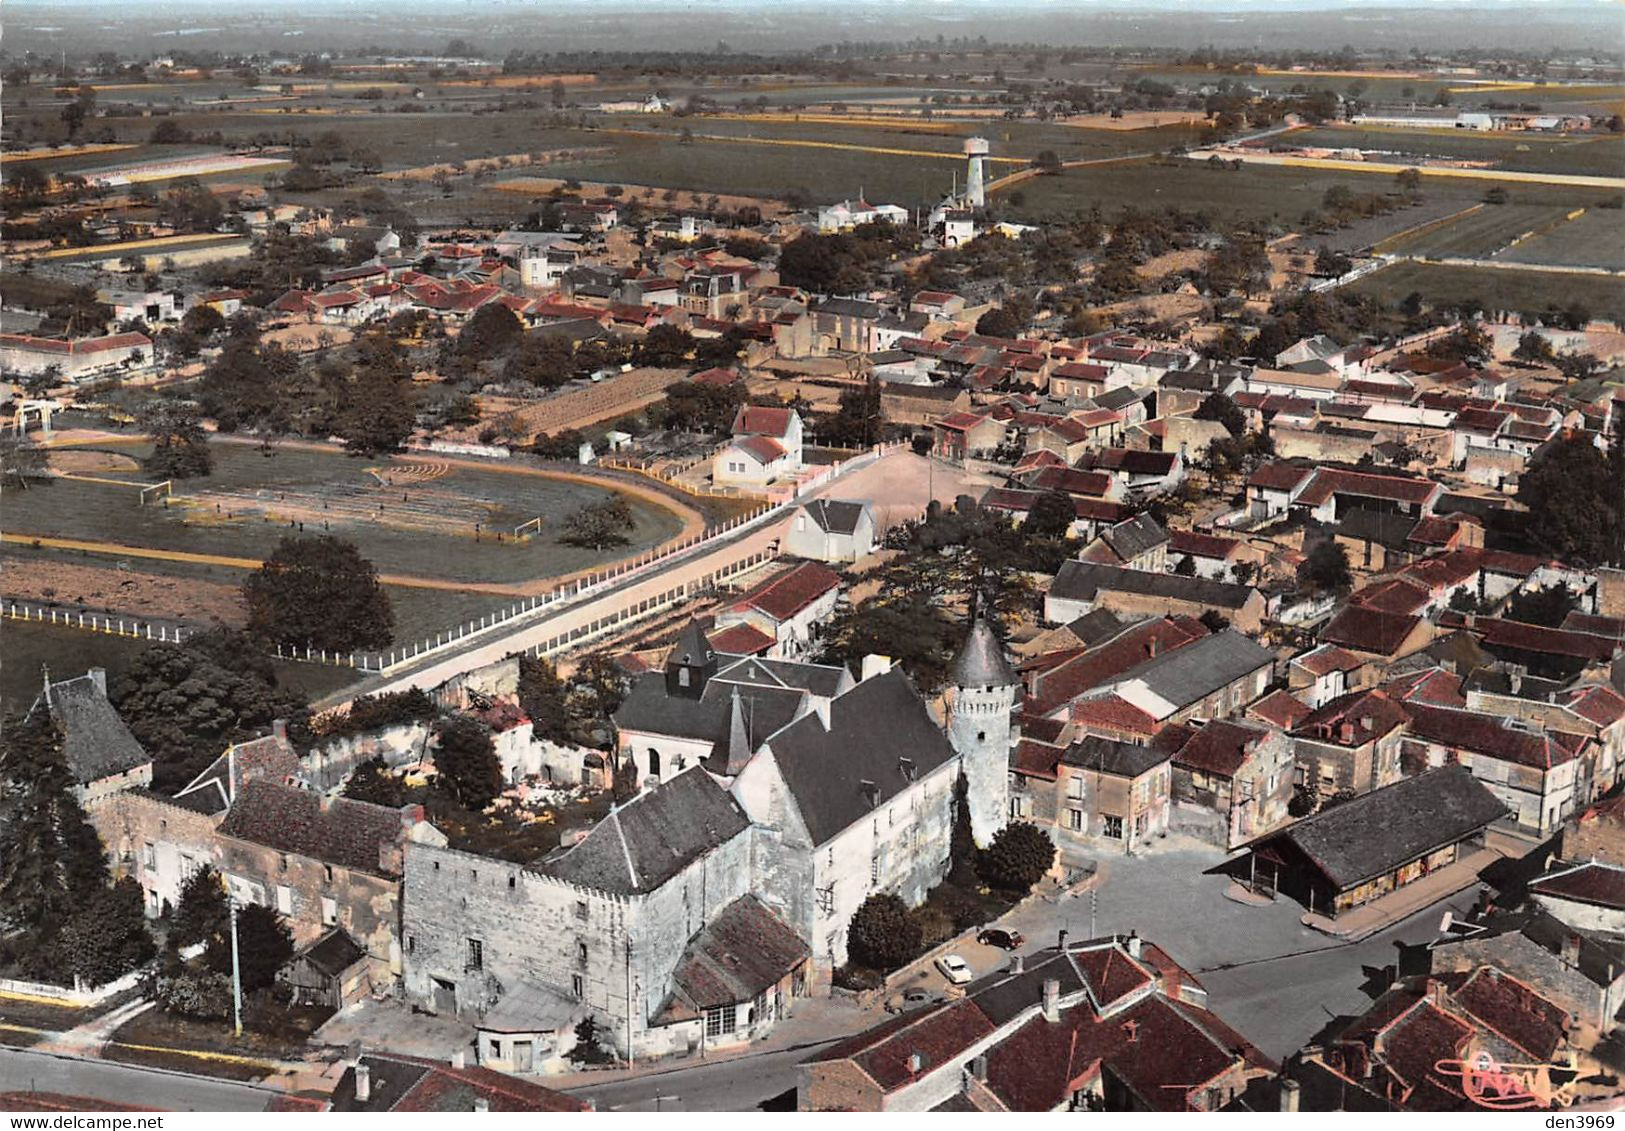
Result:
pixel 79 995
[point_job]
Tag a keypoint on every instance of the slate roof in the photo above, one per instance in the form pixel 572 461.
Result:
pixel 333 953
pixel 653 837
pixel 1135 536
pixel 1379 831
pixel 835 516
pixel 301 822
pixel 776 690
pixel 1119 759
pixel 1201 667
pixel 1108 659
pixel 872 728
pixel 95 741
pixel 1082 581
pixel 270 757
pixel 981 661
pixel 408 1083
pixel 743 951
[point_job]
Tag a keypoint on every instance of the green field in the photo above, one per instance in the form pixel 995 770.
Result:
pixel 66 652
pixel 1479 234
pixel 1594 239
pixel 1600 155
pixel 1522 291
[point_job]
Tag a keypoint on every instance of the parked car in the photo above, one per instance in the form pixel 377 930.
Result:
pixel 916 998
pixel 955 969
pixel 1001 938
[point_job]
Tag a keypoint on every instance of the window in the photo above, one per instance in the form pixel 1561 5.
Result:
pixel 719 1021
pixel 826 900
pixel 1074 820
pixel 411 944
pixel 682 681
pixel 284 899
pixel 577 986
pixel 1113 828
pixel 581 909
pixel 874 870
pixel 330 912
pixel 512 882
pixel 282 862
pixel 1074 788
pixel 327 872
pixel 476 955
pixel 581 953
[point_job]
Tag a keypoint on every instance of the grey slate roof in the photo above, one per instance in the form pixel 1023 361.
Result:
pixel 835 516
pixel 1119 398
pixel 1134 536
pixel 872 728
pixel 823 680
pixel 738 955
pixel 95 741
pixel 1380 831
pixel 1081 581
pixel 981 662
pixel 653 837
pixel 333 953
pixel 1120 759
pixel 1187 674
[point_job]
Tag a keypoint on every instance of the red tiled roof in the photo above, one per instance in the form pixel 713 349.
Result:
pixel 1219 747
pixel 1112 715
pixel 1201 545
pixel 1515 1011
pixel 1551 641
pixel 1367 715
pixel 789 593
pixel 1329 481
pixel 1279 476
pixel 1329 658
pixel 1280 709
pixel 1598 704
pixel 1036 759
pixel 293 820
pixel 1134 645
pixel 1488 735
pixel 1435 687
pixel 742 639
pixel 1369 630
pixel 1592 882
pixel 755 420
pixel 764 448
pixel 1392 595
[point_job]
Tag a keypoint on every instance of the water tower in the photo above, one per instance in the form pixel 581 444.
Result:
pixel 975 152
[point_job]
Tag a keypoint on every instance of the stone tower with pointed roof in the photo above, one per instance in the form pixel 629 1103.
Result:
pixel 983 696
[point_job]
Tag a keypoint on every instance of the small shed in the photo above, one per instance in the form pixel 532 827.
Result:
pixel 330 971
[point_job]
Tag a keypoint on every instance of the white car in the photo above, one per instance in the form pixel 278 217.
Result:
pixel 955 969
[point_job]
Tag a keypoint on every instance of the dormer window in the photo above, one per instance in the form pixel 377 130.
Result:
pixel 682 676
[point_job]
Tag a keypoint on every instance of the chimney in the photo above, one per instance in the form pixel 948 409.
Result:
pixel 1571 950
pixel 411 816
pixel 481 1104
pixel 872 665
pixel 363 1082
pixel 1289 1095
pixel 871 792
pixel 458 1059
pixel 1131 1030
pixel 1151 647
pixel 1132 944
pixel 98 676
pixel 279 728
pixel 1345 732
pixel 1052 1000
pixel 1015 964
pixel 915 1063
pixel 1060 938
pixel 978 1068
pixel 1436 992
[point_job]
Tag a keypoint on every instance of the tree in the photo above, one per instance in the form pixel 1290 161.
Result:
pixel 589 1047
pixel 264 946
pixel 1020 855
pixel 1547 607
pixel 1577 366
pixel 913 630
pixel 466 761
pixel 318 592
pixel 51 863
pixel 1219 408
pixel 373 783
pixel 882 934
pixel 1047 162
pixel 180 447
pixel 202 912
pixel 1574 502
pixel 379 414
pixel 1185 566
pixel 598 526
pixel 1005 321
pixel 1326 569
pixel 20 460
pixel 1050 516
pixel 542 697
pixel 490 333
pixel 106 937
pixel 1332 264
pixel 962 840
pixel 1535 348
pixel 185 703
pixel 1409 181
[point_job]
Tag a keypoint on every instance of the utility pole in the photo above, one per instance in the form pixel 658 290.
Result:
pixel 236 972
pixel 630 1062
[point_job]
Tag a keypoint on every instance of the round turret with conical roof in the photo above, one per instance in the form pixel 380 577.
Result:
pixel 982 696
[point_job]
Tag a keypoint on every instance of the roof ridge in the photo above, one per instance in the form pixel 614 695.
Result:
pixel 626 849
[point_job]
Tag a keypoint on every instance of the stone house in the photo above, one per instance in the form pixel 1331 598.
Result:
pixel 102 755
pixel 1135 543
pixel 162 840
pixel 1110 1024
pixel 708 708
pixel 322 862
pixel 1082 587
pixel 1352 744
pixel 848 807
pixel 1232 781
pixel 832 530
pixel 603 927
pixel 789 608
pixel 1322 674
pixel 1213 677
pixel 1098 794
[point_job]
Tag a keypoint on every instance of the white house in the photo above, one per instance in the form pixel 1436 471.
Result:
pixel 766 444
pixel 832 530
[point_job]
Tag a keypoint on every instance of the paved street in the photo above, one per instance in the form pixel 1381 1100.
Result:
pixel 22 1071
pixel 741 1084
